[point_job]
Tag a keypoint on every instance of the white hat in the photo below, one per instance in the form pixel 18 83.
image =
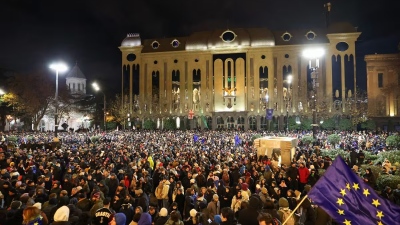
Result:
pixel 163 212
pixel 38 205
pixel 62 214
pixel 193 213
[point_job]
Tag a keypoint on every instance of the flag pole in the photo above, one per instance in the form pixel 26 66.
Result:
pixel 294 210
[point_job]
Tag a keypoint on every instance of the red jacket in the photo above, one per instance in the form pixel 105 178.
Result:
pixel 303 175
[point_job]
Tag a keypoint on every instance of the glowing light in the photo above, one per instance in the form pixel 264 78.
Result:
pixel 59 67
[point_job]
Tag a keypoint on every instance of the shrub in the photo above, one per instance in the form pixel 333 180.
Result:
pixel 254 137
pixel 388 180
pixel 332 153
pixel 334 139
pixel 393 141
pixel 370 156
pixel 149 125
pixel 170 124
pixel 12 138
pixel 392 156
pixel 307 140
pixel 95 139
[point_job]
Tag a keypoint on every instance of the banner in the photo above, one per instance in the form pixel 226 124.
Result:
pixel 270 113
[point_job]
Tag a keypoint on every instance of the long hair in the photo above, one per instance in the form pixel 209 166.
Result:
pixel 30 213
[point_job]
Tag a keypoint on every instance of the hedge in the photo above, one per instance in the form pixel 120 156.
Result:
pixel 388 180
pixel 332 153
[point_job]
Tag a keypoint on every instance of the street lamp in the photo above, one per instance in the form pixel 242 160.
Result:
pixel 288 94
pixel 97 88
pixel 9 119
pixel 313 54
pixel 2 92
pixel 59 68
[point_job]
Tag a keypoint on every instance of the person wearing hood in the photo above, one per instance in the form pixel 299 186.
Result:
pixel 61 216
pixel 162 217
pixel 145 219
pixel 118 219
pixel 248 216
pixel 103 187
pixel 284 210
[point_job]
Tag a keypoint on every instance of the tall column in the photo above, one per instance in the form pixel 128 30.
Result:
pixel 343 73
pixel 328 80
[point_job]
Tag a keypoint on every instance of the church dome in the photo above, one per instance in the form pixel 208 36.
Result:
pixel 132 40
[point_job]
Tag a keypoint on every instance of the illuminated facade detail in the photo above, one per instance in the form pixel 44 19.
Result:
pixel 231 81
pixel 383 83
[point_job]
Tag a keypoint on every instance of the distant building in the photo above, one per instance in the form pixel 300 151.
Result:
pixel 228 78
pixel 383 84
pixel 80 114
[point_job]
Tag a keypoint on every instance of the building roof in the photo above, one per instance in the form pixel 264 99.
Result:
pixel 238 37
pixel 132 40
pixel 75 72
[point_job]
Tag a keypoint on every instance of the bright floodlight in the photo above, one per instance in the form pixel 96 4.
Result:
pixel 59 67
pixel 313 53
pixel 289 79
pixel 2 92
pixel 96 87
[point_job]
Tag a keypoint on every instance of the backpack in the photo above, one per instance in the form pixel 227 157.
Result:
pixel 285 215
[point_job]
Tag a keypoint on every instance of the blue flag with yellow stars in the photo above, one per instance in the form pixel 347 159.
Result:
pixel 349 200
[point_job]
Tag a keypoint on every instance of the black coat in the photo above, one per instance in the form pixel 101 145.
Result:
pixel 248 216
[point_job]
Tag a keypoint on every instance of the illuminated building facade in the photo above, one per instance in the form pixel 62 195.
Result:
pixel 383 83
pixel 228 78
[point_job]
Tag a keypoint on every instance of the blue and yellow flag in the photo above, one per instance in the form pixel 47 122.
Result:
pixel 349 200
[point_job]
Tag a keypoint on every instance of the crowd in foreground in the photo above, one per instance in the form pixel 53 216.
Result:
pixel 167 177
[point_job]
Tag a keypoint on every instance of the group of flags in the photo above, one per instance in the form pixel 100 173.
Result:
pixel 237 139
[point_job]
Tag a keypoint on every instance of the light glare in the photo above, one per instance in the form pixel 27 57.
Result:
pixel 60 67
pixel 313 53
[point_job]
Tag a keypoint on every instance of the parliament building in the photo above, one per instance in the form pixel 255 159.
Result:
pixel 229 78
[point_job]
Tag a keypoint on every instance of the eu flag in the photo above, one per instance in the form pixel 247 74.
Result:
pixel 195 138
pixel 350 201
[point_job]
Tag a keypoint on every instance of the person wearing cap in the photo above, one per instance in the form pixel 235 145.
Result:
pixel 213 207
pixel 97 204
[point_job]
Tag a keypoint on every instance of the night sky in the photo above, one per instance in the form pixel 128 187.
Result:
pixel 36 32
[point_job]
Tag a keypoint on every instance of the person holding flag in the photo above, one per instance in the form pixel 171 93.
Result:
pixel 351 201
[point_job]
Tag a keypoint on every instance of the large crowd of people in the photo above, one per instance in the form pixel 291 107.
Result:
pixel 166 177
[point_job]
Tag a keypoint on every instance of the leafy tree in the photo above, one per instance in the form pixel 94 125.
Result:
pixel 334 139
pixel 149 125
pixel 31 95
pixel 306 124
pixel 368 125
pixel 169 124
pixel 329 124
pixel 345 124
pixel 293 125
pixel 119 109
